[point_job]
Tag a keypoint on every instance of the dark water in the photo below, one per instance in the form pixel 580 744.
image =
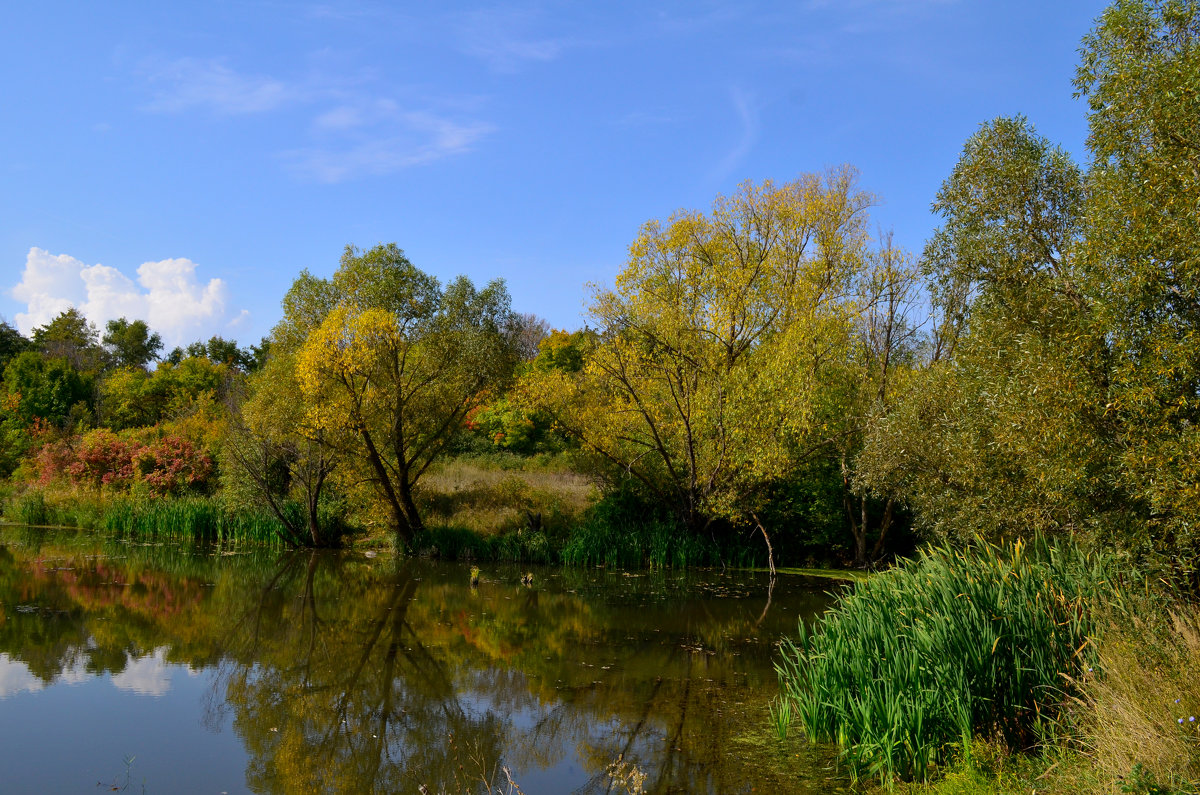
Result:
pixel 166 670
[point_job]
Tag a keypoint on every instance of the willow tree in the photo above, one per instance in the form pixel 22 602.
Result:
pixel 704 380
pixel 1007 434
pixel 390 363
pixel 1140 75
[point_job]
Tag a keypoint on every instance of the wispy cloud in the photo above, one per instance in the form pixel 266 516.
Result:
pixel 747 115
pixel 408 139
pixel 351 132
pixel 190 83
pixel 506 40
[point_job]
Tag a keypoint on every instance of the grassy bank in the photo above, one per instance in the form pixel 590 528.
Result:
pixel 479 507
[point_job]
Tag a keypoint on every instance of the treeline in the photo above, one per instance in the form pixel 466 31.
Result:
pixel 87 410
pixel 766 374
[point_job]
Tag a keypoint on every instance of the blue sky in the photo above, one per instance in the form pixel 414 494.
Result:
pixel 181 163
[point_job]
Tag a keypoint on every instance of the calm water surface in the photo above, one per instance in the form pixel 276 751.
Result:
pixel 160 669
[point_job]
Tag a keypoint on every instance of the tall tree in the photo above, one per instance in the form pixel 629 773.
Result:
pixel 704 382
pixel 1140 75
pixel 276 456
pixel 131 344
pixel 398 361
pixel 883 357
pixel 1009 435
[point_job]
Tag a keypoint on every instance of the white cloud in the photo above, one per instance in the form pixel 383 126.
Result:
pixel 15 677
pixel 167 295
pixel 189 83
pixel 149 675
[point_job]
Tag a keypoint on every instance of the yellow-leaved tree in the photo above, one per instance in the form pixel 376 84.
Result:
pixel 389 363
pixel 704 380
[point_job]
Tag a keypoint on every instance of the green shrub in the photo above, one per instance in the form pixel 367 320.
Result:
pixel 920 660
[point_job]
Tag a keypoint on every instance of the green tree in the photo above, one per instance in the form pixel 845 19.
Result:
pixel 218 350
pixel 47 389
pixel 1140 75
pixel 11 343
pixel 398 362
pixel 70 336
pixel 275 457
pixel 131 344
pixel 1005 431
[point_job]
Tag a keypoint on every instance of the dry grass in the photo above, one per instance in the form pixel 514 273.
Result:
pixel 478 496
pixel 1143 706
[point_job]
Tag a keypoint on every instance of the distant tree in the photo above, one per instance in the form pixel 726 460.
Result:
pixel 131 344
pixel 528 330
pixel 258 355
pixel 12 342
pixel 70 336
pixel 47 389
pixel 217 350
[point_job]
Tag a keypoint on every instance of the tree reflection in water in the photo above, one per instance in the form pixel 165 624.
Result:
pixel 338 693
pixel 341 674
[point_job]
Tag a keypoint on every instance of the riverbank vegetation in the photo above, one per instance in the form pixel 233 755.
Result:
pixel 1064 405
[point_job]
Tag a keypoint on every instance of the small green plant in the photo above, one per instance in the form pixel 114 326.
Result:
pixel 781 716
pixel 31 509
pixel 1142 782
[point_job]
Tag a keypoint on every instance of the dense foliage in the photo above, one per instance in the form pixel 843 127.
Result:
pixel 1070 397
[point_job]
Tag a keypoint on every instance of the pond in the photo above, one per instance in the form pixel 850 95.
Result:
pixel 158 668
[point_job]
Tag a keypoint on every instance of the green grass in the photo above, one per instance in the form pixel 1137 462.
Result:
pixel 918 661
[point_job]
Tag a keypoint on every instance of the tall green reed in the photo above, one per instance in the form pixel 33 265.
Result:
pixel 192 518
pixel 919 660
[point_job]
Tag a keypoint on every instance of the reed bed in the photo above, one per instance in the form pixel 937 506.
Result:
pixel 192 518
pixel 918 661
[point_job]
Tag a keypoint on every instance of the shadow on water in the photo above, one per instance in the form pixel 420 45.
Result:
pixel 338 673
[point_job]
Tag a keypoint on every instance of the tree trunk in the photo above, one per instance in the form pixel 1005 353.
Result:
pixel 884 525
pixel 858 530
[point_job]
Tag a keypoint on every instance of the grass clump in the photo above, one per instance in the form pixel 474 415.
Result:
pixel 918 661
